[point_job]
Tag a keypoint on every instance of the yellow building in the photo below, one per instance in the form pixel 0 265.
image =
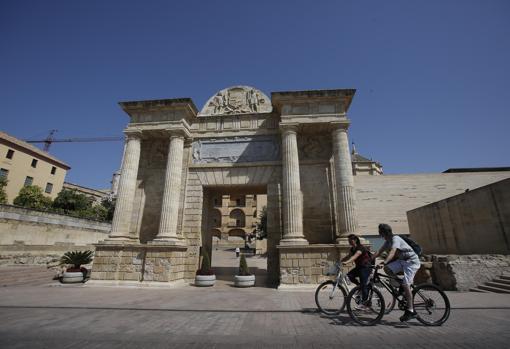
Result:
pixel 24 164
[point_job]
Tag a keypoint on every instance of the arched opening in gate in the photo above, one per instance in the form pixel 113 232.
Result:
pixel 228 223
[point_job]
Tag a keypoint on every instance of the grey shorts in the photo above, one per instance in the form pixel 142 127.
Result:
pixel 409 267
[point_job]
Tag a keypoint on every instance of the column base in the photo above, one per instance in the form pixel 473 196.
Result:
pixel 293 242
pixel 167 241
pixel 119 239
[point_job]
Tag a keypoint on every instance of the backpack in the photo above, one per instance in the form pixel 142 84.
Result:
pixel 416 248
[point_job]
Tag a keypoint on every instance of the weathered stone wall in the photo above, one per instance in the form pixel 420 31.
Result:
pixel 307 265
pixel 474 222
pixel 387 198
pixel 318 206
pixel 141 263
pixel 462 272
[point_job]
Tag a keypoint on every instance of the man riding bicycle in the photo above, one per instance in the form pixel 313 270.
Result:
pixel 407 261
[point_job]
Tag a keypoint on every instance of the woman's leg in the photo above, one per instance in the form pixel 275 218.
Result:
pixel 364 275
pixel 353 274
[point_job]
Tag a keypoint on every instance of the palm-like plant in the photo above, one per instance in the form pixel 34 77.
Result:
pixel 76 258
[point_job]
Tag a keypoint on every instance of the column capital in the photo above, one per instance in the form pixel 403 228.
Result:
pixel 339 125
pixel 289 127
pixel 179 132
pixel 133 134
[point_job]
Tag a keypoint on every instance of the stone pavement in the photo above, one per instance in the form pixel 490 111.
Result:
pixel 63 316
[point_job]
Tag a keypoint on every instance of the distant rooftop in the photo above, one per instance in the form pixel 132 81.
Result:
pixel 477 169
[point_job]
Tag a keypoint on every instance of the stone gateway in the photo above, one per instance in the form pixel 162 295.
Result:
pixel 292 147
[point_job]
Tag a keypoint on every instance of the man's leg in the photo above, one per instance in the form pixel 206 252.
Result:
pixel 353 274
pixel 410 270
pixel 364 275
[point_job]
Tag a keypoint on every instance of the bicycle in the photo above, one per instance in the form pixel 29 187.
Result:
pixel 429 301
pixel 330 295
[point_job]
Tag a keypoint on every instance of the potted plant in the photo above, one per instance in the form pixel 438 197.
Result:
pixel 244 278
pixel 76 273
pixel 205 275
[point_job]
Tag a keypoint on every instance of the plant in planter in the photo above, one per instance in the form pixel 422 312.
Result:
pixel 244 278
pixel 76 273
pixel 205 275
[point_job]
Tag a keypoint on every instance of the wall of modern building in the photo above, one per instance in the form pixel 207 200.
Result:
pixel 474 222
pixel 387 198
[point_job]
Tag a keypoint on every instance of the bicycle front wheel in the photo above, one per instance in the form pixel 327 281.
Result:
pixel 431 304
pixel 330 299
pixel 366 313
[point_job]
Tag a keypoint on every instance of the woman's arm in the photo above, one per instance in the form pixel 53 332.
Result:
pixel 353 257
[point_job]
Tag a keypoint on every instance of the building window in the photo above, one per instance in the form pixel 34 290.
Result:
pixel 49 188
pixel 29 180
pixel 34 163
pixel 3 173
pixel 10 154
pixel 53 170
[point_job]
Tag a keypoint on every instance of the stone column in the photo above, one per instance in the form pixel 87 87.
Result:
pixel 171 196
pixel 126 191
pixel 344 180
pixel 292 196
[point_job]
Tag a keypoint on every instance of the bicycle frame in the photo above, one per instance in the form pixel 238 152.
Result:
pixel 384 280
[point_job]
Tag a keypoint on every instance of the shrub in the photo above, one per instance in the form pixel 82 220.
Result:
pixel 205 269
pixel 243 266
pixel 32 196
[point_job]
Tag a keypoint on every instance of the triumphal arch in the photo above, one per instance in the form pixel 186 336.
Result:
pixel 293 147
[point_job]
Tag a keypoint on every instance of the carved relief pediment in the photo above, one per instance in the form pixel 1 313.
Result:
pixel 237 100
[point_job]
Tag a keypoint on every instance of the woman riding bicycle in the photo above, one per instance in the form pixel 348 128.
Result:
pixel 360 255
pixel 407 261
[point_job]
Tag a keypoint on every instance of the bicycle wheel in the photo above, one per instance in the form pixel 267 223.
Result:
pixel 367 314
pixel 389 299
pixel 330 299
pixel 431 304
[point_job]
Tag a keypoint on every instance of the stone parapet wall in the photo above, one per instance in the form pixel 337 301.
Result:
pixel 140 263
pixel 463 272
pixel 31 227
pixel 307 264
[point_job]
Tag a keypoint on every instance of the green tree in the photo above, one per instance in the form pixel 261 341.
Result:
pixel 205 269
pixel 243 266
pixel 32 196
pixel 70 201
pixel 3 194
pixel 109 204
pixel 262 226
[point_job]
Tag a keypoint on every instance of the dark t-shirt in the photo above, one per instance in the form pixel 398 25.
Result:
pixel 364 260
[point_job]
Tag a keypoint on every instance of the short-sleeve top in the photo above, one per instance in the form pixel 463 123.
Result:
pixel 364 260
pixel 405 251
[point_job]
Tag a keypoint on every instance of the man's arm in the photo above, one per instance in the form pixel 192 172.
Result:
pixel 390 256
pixel 353 257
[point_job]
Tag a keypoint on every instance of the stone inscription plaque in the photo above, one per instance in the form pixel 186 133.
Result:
pixel 236 149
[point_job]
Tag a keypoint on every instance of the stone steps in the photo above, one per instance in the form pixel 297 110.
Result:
pixel 500 284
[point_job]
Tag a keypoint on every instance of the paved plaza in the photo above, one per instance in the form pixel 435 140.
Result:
pixel 50 315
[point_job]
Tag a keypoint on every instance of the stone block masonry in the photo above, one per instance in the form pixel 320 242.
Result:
pixel 139 263
pixel 307 264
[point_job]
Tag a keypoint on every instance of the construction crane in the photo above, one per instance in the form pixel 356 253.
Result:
pixel 50 139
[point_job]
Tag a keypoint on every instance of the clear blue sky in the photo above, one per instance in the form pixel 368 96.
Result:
pixel 432 77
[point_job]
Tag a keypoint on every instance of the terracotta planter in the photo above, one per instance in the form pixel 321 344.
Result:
pixel 71 277
pixel 244 281
pixel 205 280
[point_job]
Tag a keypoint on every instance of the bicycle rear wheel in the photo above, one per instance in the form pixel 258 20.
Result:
pixel 330 299
pixel 431 304
pixel 369 313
